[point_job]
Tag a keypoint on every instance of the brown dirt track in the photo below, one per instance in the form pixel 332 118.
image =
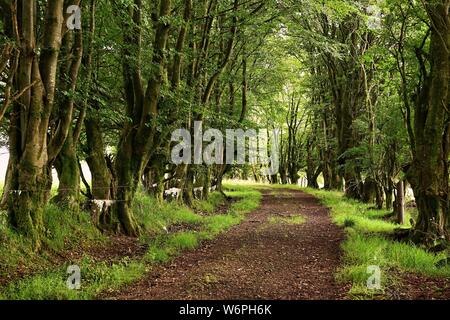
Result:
pixel 256 259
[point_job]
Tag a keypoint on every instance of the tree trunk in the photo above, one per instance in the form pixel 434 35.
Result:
pixel 31 149
pixel 352 185
pixel 327 176
pixel 101 175
pixel 379 197
pixel 336 180
pixel 283 176
pixel 66 165
pixel 206 182
pixel 129 170
pixel 158 173
pixel 401 202
pixel 188 187
pixel 369 191
pixel 26 206
pixel 388 190
pixel 137 140
pixel 311 177
pixel 429 172
pixel 7 185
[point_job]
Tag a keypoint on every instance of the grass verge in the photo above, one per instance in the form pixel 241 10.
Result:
pixel 368 244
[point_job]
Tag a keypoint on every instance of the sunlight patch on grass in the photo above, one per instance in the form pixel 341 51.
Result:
pixel 292 220
pixel 210 278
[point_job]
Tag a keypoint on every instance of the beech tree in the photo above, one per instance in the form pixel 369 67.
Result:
pixel 32 148
pixel 429 173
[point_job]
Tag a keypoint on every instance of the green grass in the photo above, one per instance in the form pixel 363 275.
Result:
pixel 64 232
pixel 157 217
pixel 360 216
pixel 183 240
pixel 158 254
pixel 63 228
pixel 95 278
pixel 215 199
pixel 293 220
pixel 98 277
pixel 368 244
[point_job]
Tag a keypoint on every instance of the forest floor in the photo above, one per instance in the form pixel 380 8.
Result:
pixel 268 242
pixel 287 249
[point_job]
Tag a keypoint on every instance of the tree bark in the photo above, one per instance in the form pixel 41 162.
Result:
pixel 29 145
pixel 102 182
pixel 401 202
pixel 66 162
pixel 138 136
pixel 66 165
pixel 429 172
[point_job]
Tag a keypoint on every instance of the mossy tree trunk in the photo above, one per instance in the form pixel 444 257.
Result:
pixel 138 136
pixel 26 205
pixel 66 162
pixel 388 190
pixel 206 182
pixel 347 88
pixel 102 179
pixel 188 186
pixel 369 191
pixel 66 165
pixel 336 180
pixel 32 150
pixel 128 169
pixel 102 176
pixel 154 175
pixel 429 174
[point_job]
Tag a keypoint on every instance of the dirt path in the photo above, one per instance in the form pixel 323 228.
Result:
pixel 257 259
